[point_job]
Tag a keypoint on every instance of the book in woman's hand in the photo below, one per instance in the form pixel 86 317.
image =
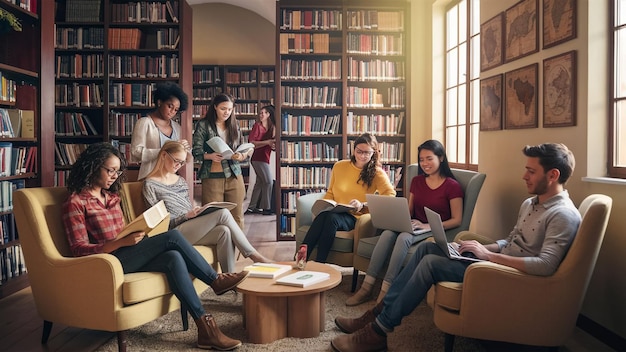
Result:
pixel 213 206
pixel 322 205
pixel 219 146
pixel 147 221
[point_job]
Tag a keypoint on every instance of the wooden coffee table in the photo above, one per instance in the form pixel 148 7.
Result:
pixel 273 311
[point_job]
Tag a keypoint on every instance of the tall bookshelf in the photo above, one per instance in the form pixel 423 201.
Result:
pixel 24 93
pixel 342 70
pixel 252 86
pixel 109 56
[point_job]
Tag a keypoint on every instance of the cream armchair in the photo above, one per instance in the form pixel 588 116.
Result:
pixel 499 303
pixel 89 292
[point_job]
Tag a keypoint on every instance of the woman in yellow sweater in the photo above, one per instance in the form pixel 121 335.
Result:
pixel 350 181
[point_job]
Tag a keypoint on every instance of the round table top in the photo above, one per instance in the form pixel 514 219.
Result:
pixel 269 287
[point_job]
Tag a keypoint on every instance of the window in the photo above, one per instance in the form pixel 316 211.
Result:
pixel 617 123
pixel 462 109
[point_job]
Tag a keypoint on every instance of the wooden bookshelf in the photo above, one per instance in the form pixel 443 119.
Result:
pixel 108 61
pixel 342 70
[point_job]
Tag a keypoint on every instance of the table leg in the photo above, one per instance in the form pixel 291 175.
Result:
pixel 266 318
pixel 303 316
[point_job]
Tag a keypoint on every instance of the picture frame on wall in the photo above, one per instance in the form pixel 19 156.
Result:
pixel 491 103
pixel 559 21
pixel 491 49
pixel 521 30
pixel 520 96
pixel 559 90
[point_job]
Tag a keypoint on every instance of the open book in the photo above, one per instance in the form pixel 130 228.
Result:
pixel 267 270
pixel 220 146
pixel 213 206
pixel 303 278
pixel 321 205
pixel 146 221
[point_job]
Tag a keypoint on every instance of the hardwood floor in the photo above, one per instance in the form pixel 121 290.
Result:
pixel 20 326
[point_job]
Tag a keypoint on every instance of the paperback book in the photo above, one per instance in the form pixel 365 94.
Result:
pixel 322 205
pixel 145 222
pixel 303 278
pixel 213 206
pixel 267 270
pixel 220 146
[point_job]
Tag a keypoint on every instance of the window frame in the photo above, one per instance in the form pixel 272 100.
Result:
pixel 614 170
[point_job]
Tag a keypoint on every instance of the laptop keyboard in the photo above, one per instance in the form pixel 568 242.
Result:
pixel 452 249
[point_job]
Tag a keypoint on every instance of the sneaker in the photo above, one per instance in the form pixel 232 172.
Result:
pixel 350 325
pixel 363 340
pixel 227 282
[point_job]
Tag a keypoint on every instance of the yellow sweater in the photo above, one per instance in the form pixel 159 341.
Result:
pixel 343 186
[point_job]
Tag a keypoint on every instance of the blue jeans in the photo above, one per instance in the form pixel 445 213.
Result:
pixel 394 246
pixel 427 266
pixel 322 232
pixel 170 253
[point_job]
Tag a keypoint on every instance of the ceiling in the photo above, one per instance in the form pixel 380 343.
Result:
pixel 265 8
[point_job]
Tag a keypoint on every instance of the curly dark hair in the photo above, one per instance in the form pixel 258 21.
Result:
pixel 86 169
pixel 166 90
pixel 369 171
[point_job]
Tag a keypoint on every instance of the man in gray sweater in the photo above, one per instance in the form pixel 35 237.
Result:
pixel 545 228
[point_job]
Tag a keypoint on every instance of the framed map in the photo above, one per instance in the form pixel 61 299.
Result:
pixel 521 30
pixel 491 52
pixel 491 103
pixel 559 21
pixel 520 96
pixel 559 90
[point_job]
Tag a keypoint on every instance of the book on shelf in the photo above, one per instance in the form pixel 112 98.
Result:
pixel 267 270
pixel 303 278
pixel 28 124
pixel 213 206
pixel 220 146
pixel 147 221
pixel 322 205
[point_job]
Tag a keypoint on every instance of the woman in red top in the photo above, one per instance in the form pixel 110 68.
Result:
pixel 93 217
pixel 262 136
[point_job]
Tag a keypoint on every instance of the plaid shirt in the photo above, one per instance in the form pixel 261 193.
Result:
pixel 89 224
pixel 201 135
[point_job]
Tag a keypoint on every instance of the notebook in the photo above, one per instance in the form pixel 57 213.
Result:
pixel 439 234
pixel 392 213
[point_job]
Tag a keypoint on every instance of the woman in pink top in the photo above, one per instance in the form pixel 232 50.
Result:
pixel 262 136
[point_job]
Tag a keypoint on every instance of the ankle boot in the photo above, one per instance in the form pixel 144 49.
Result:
pixel 363 340
pixel 210 336
pixel 227 281
pixel 350 325
pixel 361 296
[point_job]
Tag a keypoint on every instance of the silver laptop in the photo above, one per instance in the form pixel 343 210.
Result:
pixel 436 227
pixel 391 213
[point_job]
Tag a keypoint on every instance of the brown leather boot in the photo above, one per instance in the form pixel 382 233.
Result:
pixel 210 336
pixel 228 281
pixel 364 340
pixel 350 325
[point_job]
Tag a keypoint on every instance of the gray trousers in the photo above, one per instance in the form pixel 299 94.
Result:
pixel 262 191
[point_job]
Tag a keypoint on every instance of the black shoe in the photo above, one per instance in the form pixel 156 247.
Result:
pixel 267 212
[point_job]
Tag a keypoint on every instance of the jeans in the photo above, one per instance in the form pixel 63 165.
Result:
pixel 394 246
pixel 170 253
pixel 322 232
pixel 427 266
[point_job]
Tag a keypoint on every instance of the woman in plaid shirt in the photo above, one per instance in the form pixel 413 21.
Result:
pixel 93 217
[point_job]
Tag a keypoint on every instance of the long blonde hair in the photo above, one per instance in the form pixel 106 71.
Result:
pixel 170 147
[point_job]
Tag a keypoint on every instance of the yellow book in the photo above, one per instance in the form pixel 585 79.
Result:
pixel 267 270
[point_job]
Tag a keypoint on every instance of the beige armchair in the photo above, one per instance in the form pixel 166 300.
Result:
pixel 499 303
pixel 89 292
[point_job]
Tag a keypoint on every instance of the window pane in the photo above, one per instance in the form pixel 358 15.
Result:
pixel 461 141
pixel 474 143
pixel 475 57
pixel 475 101
pixel 620 56
pixel 451 144
pixel 462 21
pixel 452 28
pixel 462 104
pixel 452 67
pixel 620 134
pixel 621 12
pixel 451 111
pixel 463 63
pixel 475 17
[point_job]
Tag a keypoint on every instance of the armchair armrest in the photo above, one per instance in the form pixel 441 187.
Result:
pixel 303 208
pixel 363 229
pixel 467 235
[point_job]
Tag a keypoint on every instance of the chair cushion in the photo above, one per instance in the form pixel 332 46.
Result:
pixel 344 240
pixel 366 246
pixel 448 295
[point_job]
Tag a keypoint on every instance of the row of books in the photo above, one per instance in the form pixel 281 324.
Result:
pixel 199 111
pixel 287 225
pixel 7 228
pixel 246 108
pixel 28 5
pixel 78 37
pixel 82 11
pixel 60 178
pixel 389 152
pixel 358 97
pixel 145 12
pixel 122 124
pixel 251 93
pixel 6 197
pixel 125 38
pixel 12 262
pixel 144 66
pixel 375 70
pixel 310 69
pixel 76 94
pixel 79 66
pixel 304 176
pixel 375 44
pixel 313 96
pixel 306 43
pixel 290 198
pixel 131 94
pixel 7 88
pixel 307 151
pixel 379 125
pixel 73 124
pixel 241 77
pixel 310 19
pixel 17 160
pixel 67 153
pixel 375 20
pixel 124 148
pixel 206 75
pixel 206 93
pixel 394 172
pixel 17 123
pixel 305 125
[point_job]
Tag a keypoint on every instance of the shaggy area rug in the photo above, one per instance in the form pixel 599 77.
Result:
pixel 416 333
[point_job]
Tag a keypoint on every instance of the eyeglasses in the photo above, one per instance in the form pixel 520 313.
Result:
pixel 113 172
pixel 176 161
pixel 363 152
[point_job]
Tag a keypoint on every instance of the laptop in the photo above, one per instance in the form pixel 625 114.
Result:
pixel 439 234
pixel 392 213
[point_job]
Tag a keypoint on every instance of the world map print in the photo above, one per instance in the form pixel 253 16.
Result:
pixel 491 103
pixel 559 88
pixel 559 17
pixel 521 97
pixel 521 30
pixel 491 43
